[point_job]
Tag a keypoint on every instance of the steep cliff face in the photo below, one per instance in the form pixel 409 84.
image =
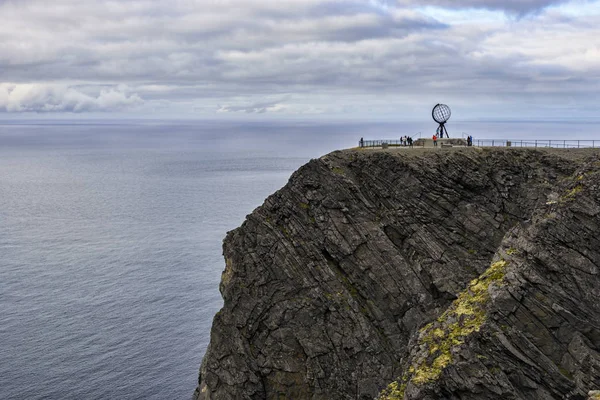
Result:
pixel 456 274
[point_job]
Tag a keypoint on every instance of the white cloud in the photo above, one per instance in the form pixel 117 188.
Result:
pixel 60 98
pixel 255 108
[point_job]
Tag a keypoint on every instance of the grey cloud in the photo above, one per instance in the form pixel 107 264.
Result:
pixel 59 98
pixel 201 54
pixel 255 108
pixel 516 6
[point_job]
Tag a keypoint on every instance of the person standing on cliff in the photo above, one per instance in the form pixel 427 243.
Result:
pixel 434 137
pixel 361 142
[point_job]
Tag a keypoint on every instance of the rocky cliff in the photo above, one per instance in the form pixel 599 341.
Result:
pixel 450 274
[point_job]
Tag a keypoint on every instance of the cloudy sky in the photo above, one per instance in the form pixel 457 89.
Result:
pixel 512 59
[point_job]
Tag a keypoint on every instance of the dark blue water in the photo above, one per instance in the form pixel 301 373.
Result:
pixel 110 243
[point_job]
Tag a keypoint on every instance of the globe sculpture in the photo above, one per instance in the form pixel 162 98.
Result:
pixel 441 114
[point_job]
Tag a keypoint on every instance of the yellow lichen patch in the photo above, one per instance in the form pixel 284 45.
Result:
pixel 228 273
pixel 427 373
pixel 438 332
pixel 462 309
pixel 512 251
pixel 466 315
pixel 570 195
pixel 304 206
pixel 394 391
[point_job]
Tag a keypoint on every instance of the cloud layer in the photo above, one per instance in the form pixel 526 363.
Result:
pixel 59 98
pixel 321 56
pixel 518 6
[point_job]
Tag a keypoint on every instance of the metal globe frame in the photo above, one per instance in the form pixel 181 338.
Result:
pixel 441 114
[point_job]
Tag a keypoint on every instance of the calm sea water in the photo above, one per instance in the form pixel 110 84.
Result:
pixel 110 242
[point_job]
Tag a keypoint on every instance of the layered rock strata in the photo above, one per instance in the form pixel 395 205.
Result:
pixel 456 273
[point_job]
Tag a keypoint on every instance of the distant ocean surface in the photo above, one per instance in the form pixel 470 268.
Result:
pixel 110 240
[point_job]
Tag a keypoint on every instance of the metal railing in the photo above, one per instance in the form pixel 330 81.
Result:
pixel 380 143
pixel 553 143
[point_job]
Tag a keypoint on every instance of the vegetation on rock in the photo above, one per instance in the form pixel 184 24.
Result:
pixel 440 338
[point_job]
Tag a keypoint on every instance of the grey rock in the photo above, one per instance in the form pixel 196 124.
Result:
pixel 330 285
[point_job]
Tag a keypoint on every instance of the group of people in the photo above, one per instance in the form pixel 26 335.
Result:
pixel 406 141
pixel 469 140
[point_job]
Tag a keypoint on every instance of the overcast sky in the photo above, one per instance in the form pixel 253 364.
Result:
pixel 514 59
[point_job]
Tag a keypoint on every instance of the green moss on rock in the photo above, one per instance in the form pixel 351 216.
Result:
pixel 512 251
pixel 570 195
pixel 394 391
pixel 466 315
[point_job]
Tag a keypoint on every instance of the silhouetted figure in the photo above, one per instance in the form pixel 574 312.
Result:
pixel 361 143
pixel 440 132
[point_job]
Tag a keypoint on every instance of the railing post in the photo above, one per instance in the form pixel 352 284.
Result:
pixel 536 143
pixel 578 144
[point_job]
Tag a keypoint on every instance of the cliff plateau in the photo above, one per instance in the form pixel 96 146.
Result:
pixel 451 274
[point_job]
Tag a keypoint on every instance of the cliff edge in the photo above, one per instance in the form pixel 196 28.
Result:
pixel 451 274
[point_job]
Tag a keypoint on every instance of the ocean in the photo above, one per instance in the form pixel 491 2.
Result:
pixel 111 232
